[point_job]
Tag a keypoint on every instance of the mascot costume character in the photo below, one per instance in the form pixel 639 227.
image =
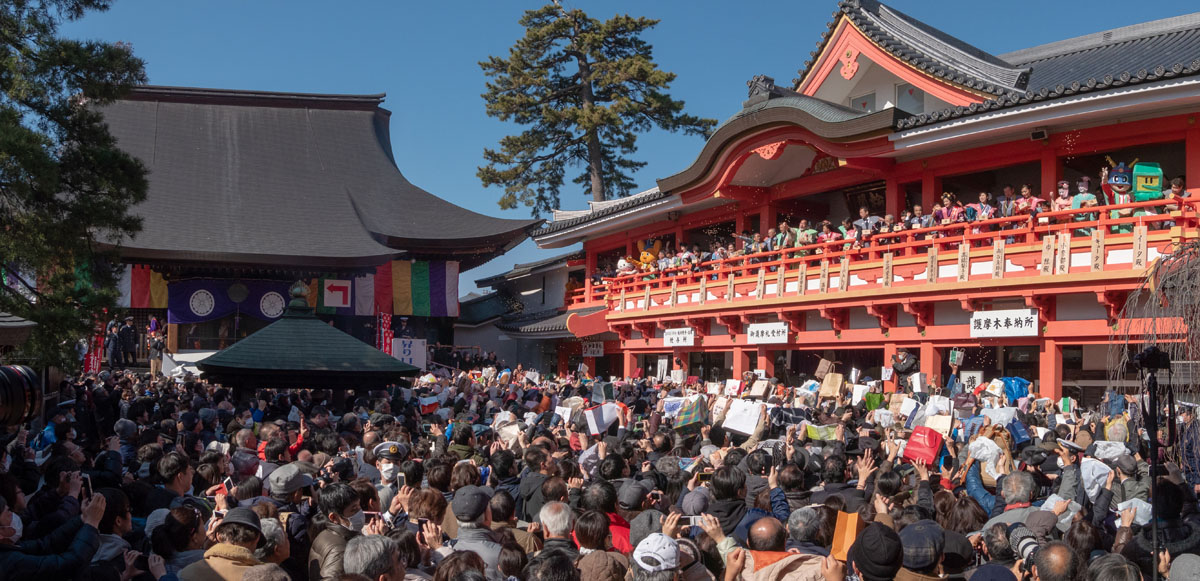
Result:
pixel 648 255
pixel 1117 185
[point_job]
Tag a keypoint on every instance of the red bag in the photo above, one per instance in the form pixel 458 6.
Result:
pixel 924 444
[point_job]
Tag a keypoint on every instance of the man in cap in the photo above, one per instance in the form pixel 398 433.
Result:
pixel 924 543
pixel 388 457
pixel 128 335
pixel 1128 482
pixel 288 485
pixel 238 534
pixel 877 555
pixel 657 553
pixel 474 515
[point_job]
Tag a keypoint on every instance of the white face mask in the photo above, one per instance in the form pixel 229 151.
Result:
pixel 388 472
pixel 248 424
pixel 18 529
pixel 357 521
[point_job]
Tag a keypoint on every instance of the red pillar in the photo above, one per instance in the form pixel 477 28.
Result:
pixel 889 350
pixel 740 361
pixel 589 269
pixel 1191 152
pixel 767 216
pixel 931 190
pixel 931 363
pixel 562 362
pixel 628 363
pixel 893 196
pixel 764 361
pixel 591 363
pixel 1051 169
pixel 1050 370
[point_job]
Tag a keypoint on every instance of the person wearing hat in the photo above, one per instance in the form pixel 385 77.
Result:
pixel 238 534
pixel 287 485
pixel 474 515
pixel 1132 480
pixel 923 544
pixel 877 555
pixel 388 457
pixel 657 553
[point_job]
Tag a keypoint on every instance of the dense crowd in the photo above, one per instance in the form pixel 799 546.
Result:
pixel 500 475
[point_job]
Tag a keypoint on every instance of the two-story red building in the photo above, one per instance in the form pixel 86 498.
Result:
pixel 889 114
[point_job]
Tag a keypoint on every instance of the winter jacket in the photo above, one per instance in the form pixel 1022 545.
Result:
pixel 779 510
pixel 565 545
pixel 531 496
pixel 464 452
pixel 619 527
pixel 47 511
pixel 58 555
pixel 730 512
pixel 325 557
pixel 109 561
pixel 602 566
pixel 1177 537
pixel 182 559
pixel 529 543
pixel 482 543
pixel 773 566
pixel 222 562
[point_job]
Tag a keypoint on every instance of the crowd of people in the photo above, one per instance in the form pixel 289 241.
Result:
pixel 495 475
pixel 808 238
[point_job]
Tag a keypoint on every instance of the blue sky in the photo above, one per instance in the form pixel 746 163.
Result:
pixel 424 56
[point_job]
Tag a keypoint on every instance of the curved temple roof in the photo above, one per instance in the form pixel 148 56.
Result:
pixel 286 179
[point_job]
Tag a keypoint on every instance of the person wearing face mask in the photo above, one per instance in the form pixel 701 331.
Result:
pixel 58 555
pixel 341 518
pixel 388 457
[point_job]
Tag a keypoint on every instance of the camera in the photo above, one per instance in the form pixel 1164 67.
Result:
pixel 1152 359
pixel 20 395
pixel 1022 541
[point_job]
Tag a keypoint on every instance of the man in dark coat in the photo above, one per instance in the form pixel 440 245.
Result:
pixel 129 336
pixel 58 555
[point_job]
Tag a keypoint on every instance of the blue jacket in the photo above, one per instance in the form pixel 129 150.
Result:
pixel 779 509
pixel 59 555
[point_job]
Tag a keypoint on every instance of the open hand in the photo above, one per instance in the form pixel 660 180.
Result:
pixel 833 569
pixel 735 564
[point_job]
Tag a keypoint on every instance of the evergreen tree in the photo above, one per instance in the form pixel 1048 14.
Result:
pixel 65 187
pixel 584 88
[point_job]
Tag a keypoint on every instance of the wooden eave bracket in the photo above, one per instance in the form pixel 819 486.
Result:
pixel 921 311
pixel 886 314
pixel 1113 302
pixel 838 317
pixel 735 323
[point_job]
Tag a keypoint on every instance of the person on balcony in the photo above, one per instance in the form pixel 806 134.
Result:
pixel 1006 204
pixel 753 244
pixel 980 211
pixel 919 219
pixel 1084 198
pixel 1027 202
pixel 1063 200
pixel 828 234
pixel 866 224
pixel 950 212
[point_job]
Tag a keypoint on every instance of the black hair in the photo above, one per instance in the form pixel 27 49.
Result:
pixel 503 506
pixel 591 529
pixel 552 565
pixel 116 506
pixel 601 496
pixel 759 462
pixel 414 473
pixel 504 464
pixel 171 465
pixel 612 467
pixel 834 469
pixel 728 482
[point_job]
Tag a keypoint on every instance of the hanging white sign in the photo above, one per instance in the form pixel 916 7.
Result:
pixel 1005 323
pixel 685 337
pixel 766 333
pixel 593 348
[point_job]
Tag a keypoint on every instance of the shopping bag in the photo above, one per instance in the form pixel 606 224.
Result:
pixel 743 416
pixel 822 433
pixel 940 424
pixel 924 444
pixel 938 404
pixel 964 402
pixel 601 417
pixel 1015 388
pixel 1019 432
pixel 831 385
pixel 897 402
pixel 712 388
pixel 692 415
pixel 857 393
pixel 886 373
pixel 845 532
pixel 918 381
pixel 874 400
pixel 823 369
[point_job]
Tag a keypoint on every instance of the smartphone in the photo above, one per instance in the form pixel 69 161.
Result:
pixel 370 514
pixel 421 522
pixel 401 480
pixel 655 496
pixel 87 486
pixel 705 477
pixel 640 426
pixel 425 428
pixel 228 482
pixel 219 513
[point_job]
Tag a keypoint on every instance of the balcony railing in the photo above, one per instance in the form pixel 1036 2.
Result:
pixel 1021 233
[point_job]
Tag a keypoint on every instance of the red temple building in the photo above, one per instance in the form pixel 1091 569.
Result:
pixel 889 114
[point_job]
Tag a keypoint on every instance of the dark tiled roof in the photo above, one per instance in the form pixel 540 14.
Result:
pixel 481 309
pixel 1141 53
pixel 542 321
pixel 249 177
pixel 646 197
pixel 300 349
pixel 528 267
pixel 14 330
pixel 924 47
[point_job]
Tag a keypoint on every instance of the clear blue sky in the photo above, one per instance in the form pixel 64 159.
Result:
pixel 424 55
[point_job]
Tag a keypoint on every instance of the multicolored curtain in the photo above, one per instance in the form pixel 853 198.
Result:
pixel 141 287
pixel 424 289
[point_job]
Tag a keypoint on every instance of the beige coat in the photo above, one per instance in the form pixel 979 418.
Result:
pixel 222 562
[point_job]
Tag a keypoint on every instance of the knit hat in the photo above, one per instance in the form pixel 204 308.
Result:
pixel 656 553
pixel 878 553
pixel 959 553
pixel 923 541
pixel 470 502
pixel 644 525
pixel 1185 567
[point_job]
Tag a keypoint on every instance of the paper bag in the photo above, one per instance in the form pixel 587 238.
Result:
pixel 672 405
pixel 855 374
pixel 918 381
pixel 712 388
pixel 822 433
pixel 831 385
pixel 940 424
pixel 849 525
pixel 758 389
pixel 924 444
pixel 601 417
pixel 823 368
pixel 857 393
pixel 742 416
pixel 908 405
pixel 938 404
pixel 733 387
pixel 1000 416
pixel 884 418
pixel 678 376
pixel 956 357
pixel 896 403
pixel 563 412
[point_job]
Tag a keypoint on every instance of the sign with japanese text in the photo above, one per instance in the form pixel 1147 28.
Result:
pixel 1005 323
pixel 410 351
pixel 766 333
pixel 998 264
pixel 1139 247
pixel 685 337
pixel 593 348
pixel 931 265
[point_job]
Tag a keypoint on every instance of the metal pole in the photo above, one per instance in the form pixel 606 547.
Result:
pixel 1152 428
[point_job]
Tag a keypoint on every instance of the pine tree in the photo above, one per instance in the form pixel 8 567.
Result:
pixel 65 187
pixel 585 89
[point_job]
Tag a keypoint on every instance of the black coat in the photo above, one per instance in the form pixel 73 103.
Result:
pixel 59 555
pixel 128 336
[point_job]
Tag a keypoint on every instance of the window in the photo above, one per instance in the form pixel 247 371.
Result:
pixel 909 98
pixel 865 103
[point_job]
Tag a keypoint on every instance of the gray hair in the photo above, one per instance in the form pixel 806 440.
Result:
pixel 557 518
pixel 265 572
pixel 126 429
pixel 802 524
pixel 370 555
pixel 1018 488
pixel 273 536
pixel 640 574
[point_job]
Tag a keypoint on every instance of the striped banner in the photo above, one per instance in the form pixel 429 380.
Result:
pixel 140 287
pixel 425 289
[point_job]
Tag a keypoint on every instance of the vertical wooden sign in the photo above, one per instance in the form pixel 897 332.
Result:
pixel 758 288
pixel 964 262
pixel 802 279
pixel 1063 264
pixel 844 275
pixel 1046 266
pixel 887 270
pixel 824 276
pixel 674 293
pixel 729 289
pixel 646 299
pixel 780 281
pixel 931 265
pixel 1139 247
pixel 1097 250
pixel 622 300
pixel 998 264
pixel 703 289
